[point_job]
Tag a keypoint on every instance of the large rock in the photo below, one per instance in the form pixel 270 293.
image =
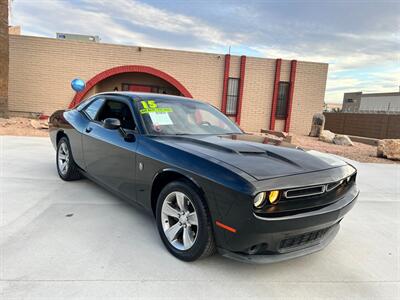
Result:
pixel 326 136
pixel 389 148
pixel 318 123
pixel 341 139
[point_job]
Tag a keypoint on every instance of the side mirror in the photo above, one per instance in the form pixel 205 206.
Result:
pixel 111 123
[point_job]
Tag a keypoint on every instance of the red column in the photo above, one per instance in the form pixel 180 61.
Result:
pixel 241 84
pixel 293 67
pixel 225 86
pixel 275 93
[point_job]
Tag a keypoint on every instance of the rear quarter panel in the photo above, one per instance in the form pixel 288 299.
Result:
pixel 71 123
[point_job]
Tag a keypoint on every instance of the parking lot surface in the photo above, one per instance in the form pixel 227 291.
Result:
pixel 70 240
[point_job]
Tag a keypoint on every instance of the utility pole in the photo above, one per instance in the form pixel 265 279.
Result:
pixel 4 58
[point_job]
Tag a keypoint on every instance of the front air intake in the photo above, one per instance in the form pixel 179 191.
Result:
pixel 305 192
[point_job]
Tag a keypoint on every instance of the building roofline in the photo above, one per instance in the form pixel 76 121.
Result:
pixel 381 94
pixel 155 48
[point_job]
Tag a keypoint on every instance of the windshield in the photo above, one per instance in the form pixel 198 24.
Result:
pixel 181 117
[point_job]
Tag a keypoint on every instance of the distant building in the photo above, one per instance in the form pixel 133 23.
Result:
pixel 16 30
pixel 332 107
pixel 78 37
pixel 374 102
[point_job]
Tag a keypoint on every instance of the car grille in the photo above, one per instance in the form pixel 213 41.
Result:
pixel 304 192
pixel 303 239
pixel 318 189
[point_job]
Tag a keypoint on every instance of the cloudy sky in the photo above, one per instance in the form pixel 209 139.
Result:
pixel 359 39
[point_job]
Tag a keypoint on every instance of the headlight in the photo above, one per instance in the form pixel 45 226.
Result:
pixel 259 200
pixel 273 197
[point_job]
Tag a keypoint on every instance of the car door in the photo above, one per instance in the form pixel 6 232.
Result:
pixel 109 157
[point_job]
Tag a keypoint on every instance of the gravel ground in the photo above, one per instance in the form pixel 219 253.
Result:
pixel 359 152
pixel 20 127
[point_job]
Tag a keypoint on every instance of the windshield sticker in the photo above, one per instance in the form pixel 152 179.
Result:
pixel 156 110
pixel 149 104
pixel 160 118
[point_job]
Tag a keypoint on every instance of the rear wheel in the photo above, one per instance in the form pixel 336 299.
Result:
pixel 183 222
pixel 66 167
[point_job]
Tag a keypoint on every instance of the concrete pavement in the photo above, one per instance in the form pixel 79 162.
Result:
pixel 74 240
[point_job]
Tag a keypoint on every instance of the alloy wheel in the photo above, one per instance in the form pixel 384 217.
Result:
pixel 63 158
pixel 179 220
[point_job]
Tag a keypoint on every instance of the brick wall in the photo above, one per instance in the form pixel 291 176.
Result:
pixel 309 93
pixel 257 97
pixel 41 70
pixel 3 57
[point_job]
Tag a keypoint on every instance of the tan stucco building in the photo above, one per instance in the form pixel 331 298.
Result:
pixel 255 92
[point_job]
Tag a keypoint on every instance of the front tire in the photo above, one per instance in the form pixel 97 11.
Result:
pixel 66 167
pixel 183 222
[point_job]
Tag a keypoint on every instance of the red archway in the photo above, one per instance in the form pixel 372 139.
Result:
pixel 129 69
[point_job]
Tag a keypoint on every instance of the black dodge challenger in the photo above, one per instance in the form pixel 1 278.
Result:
pixel 209 185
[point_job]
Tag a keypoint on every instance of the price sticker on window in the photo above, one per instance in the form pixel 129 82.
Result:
pixel 160 118
pixel 151 106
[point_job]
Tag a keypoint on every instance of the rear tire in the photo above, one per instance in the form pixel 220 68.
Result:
pixel 183 222
pixel 66 167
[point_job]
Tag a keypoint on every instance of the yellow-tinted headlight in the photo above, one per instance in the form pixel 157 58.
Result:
pixel 259 200
pixel 273 197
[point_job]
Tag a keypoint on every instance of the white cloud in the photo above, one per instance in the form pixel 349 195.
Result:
pixel 374 82
pixel 353 56
pixel 358 65
pixel 120 21
pixel 144 15
pixel 49 17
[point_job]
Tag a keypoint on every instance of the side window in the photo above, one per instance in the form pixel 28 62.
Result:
pixel 93 108
pixel 117 110
pixel 81 105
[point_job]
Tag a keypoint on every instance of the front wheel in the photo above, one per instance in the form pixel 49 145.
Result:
pixel 183 222
pixel 66 167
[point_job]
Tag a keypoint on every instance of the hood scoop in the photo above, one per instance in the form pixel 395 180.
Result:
pixel 251 150
pixel 282 158
pixel 224 145
pixel 242 148
pixel 262 161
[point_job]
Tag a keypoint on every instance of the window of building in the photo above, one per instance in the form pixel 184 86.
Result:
pixel 232 96
pixel 283 98
pixel 349 100
pixel 150 89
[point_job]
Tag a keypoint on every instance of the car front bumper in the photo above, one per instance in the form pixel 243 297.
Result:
pixel 273 258
pixel 268 240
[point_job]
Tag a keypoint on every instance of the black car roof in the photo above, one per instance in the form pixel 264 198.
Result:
pixel 136 95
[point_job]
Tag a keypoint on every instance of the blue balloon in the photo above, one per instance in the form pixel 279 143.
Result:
pixel 78 85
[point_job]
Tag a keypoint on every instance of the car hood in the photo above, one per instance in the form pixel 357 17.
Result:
pixel 258 156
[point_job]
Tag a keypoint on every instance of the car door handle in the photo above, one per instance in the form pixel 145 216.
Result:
pixel 88 129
